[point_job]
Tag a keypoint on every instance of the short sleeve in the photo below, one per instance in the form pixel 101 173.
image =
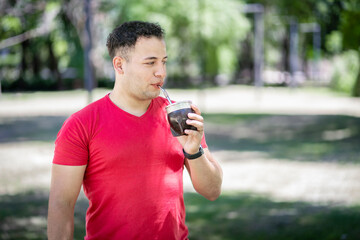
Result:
pixel 71 145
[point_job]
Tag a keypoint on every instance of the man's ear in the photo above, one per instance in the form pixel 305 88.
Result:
pixel 118 64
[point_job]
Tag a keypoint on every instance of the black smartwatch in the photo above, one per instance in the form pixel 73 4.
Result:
pixel 194 156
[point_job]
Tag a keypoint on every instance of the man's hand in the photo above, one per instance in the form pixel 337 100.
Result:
pixel 191 142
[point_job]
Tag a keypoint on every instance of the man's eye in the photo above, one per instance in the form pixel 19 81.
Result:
pixel 150 63
pixel 164 63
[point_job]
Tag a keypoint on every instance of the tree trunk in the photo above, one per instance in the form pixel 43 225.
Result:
pixel 36 65
pixel 23 65
pixel 285 66
pixel 53 66
pixel 245 66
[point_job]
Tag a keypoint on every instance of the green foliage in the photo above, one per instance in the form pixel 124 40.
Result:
pixel 334 42
pixel 300 9
pixel 9 25
pixel 346 68
pixel 351 29
pixel 340 31
pixel 200 37
pixel 351 35
pixel 37 63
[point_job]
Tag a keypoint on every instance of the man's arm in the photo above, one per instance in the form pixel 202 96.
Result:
pixel 206 175
pixel 205 172
pixel 65 186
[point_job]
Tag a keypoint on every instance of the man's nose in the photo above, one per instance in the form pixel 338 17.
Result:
pixel 161 71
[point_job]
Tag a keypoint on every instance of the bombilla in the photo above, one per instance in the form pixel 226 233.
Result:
pixel 166 94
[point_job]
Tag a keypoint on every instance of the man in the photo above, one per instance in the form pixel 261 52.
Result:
pixel 120 148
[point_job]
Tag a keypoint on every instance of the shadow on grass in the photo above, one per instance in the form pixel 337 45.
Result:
pixel 40 128
pixel 248 217
pixel 325 138
pixel 23 216
pixel 233 216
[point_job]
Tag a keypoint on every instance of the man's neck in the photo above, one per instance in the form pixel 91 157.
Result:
pixel 131 105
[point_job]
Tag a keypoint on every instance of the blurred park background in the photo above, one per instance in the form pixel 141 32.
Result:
pixel 278 83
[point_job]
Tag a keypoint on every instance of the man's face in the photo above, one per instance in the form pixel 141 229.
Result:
pixel 145 69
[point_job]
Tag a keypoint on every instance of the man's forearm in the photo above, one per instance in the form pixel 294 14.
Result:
pixel 65 187
pixel 60 222
pixel 206 176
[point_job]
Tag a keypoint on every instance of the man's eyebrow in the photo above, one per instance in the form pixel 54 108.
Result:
pixel 154 58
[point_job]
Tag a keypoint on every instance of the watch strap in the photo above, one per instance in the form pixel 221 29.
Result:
pixel 194 156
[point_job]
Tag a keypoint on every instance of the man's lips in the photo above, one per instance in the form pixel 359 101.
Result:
pixel 157 85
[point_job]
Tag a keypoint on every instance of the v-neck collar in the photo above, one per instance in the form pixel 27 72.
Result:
pixel 129 114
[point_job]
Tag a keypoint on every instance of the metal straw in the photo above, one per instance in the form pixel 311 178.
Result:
pixel 166 94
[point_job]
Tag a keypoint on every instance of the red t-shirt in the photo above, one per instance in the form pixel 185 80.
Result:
pixel 134 174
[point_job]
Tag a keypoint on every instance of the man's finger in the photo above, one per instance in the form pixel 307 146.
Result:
pixel 195 116
pixel 199 125
pixel 196 109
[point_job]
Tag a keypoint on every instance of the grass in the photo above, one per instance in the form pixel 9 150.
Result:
pixel 49 94
pixel 235 215
pixel 246 216
pixel 22 129
pixel 23 216
pixel 321 138
pixel 316 138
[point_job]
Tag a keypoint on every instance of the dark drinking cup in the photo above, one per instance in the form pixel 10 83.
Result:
pixel 177 116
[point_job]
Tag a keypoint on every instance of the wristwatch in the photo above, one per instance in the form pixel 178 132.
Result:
pixel 194 156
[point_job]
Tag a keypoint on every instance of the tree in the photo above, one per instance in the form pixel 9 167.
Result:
pixel 40 42
pixel 351 34
pixel 332 15
pixel 202 35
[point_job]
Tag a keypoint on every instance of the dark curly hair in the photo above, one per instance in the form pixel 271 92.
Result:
pixel 124 37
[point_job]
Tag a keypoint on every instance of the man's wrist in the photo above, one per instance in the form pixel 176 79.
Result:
pixel 195 155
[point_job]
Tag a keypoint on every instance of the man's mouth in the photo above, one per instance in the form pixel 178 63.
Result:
pixel 157 85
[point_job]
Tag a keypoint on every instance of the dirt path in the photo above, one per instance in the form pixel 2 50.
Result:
pixel 26 165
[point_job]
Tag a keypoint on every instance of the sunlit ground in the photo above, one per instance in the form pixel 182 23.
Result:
pixel 291 163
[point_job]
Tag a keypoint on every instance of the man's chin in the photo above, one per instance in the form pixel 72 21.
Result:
pixel 152 95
